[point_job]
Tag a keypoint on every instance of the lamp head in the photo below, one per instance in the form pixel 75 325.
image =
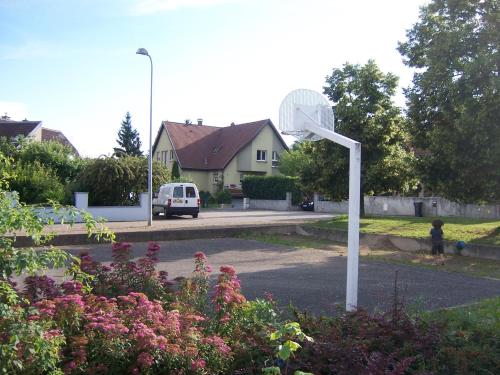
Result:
pixel 142 51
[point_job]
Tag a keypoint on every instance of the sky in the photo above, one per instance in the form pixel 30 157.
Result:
pixel 72 63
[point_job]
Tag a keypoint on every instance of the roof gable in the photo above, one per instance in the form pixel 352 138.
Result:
pixel 12 129
pixel 209 147
pixel 57 136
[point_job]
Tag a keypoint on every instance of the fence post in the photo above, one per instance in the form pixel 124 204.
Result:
pixel 82 200
pixel 288 201
pixel 316 202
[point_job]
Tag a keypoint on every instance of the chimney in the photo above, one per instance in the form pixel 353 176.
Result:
pixel 200 121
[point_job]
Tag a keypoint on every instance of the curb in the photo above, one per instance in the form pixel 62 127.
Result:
pixel 163 235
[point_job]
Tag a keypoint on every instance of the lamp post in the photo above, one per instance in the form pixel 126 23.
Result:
pixel 143 51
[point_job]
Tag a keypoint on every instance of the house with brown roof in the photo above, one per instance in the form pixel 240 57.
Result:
pixel 32 130
pixel 212 156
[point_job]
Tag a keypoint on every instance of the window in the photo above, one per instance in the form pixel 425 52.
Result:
pixel 275 159
pixel 216 178
pixel 190 193
pixel 164 157
pixel 171 154
pixel 178 192
pixel 261 155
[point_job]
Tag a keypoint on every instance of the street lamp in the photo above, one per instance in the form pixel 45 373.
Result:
pixel 143 51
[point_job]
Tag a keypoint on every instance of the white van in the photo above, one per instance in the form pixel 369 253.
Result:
pixel 177 198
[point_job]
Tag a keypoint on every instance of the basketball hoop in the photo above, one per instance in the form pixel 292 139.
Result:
pixel 307 114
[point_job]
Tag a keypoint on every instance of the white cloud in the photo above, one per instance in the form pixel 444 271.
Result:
pixel 154 6
pixel 15 110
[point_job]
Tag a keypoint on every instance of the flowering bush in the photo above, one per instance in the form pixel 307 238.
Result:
pixel 134 321
pixel 123 276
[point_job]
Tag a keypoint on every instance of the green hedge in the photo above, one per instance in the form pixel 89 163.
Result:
pixel 271 187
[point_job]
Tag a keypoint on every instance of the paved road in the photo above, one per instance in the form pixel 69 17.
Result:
pixel 207 219
pixel 314 279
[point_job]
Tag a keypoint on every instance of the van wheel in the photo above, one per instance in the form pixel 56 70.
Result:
pixel 195 216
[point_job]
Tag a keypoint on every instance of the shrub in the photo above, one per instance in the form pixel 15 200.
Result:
pixel 36 183
pixel 223 197
pixel 59 158
pixel 271 187
pixel 205 197
pixel 119 181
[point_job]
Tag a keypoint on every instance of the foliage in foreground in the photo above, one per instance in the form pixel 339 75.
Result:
pixel 136 320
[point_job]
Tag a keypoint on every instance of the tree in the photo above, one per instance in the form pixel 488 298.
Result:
pixel 52 155
pixel 175 171
pixel 128 139
pixel 298 163
pixel 362 97
pixel 454 102
pixel 40 171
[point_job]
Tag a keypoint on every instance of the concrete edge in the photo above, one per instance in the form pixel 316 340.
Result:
pixel 162 235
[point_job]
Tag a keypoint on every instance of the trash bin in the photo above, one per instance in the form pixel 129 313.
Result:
pixel 418 208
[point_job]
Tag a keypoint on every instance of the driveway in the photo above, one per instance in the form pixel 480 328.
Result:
pixel 314 279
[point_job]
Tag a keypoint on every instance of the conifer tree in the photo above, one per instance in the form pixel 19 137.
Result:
pixel 128 139
pixel 175 171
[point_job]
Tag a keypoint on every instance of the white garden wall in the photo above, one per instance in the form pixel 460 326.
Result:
pixel 404 206
pixel 114 213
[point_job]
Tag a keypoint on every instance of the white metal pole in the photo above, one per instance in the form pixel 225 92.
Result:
pixel 353 234
pixel 150 159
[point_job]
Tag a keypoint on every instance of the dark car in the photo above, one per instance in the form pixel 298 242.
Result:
pixel 307 205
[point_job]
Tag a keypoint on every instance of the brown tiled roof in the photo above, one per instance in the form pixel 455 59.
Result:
pixel 11 128
pixel 57 136
pixel 210 147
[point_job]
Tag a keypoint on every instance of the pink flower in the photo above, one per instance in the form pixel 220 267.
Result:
pixel 121 246
pixel 50 334
pixel 145 360
pixel 228 269
pixel 72 287
pixel 198 364
pixel 269 296
pixel 200 255
pixel 153 246
pixel 218 343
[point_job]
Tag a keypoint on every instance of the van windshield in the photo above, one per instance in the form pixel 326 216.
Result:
pixel 178 192
pixel 190 193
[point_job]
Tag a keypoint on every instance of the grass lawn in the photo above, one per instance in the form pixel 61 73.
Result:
pixel 481 231
pixel 451 263
pixel 483 315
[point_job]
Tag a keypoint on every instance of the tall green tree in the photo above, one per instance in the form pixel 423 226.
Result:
pixel 128 139
pixel 364 111
pixel 454 100
pixel 298 162
pixel 175 174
